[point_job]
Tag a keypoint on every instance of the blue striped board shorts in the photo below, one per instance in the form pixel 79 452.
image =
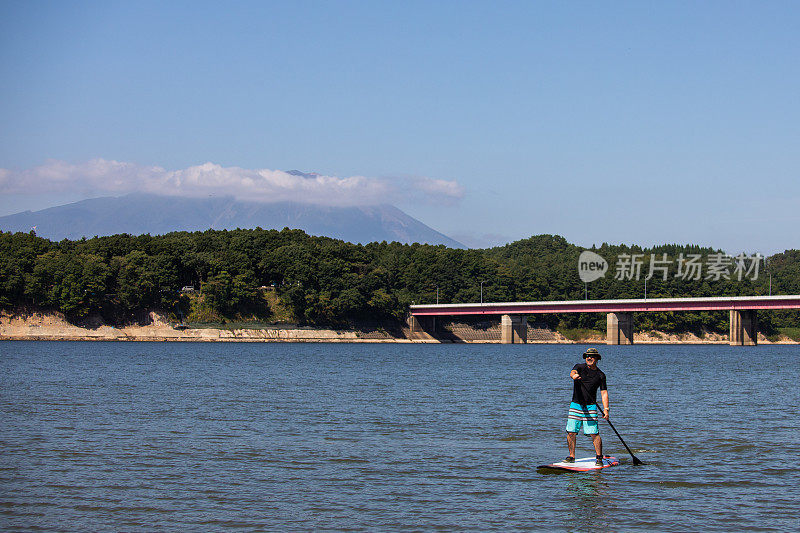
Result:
pixel 582 416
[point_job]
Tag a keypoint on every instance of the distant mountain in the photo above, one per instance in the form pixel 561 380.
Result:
pixel 144 213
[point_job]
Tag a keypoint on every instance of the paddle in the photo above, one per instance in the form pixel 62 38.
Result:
pixel 636 460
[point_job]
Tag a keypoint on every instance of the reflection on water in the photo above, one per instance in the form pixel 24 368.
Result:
pixel 588 500
pixel 198 437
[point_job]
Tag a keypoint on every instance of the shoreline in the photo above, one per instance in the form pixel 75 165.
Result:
pixel 53 327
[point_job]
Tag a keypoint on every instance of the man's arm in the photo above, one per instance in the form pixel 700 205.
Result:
pixel 604 396
pixel 574 374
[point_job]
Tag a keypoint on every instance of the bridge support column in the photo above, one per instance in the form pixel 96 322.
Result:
pixel 423 328
pixel 744 328
pixel 619 328
pixel 513 329
pixel 419 324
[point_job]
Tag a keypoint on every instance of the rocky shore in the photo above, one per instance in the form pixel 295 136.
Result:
pixel 54 327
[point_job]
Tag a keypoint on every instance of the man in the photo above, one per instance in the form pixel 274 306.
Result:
pixel 587 378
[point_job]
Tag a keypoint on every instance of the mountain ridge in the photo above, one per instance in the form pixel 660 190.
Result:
pixel 139 213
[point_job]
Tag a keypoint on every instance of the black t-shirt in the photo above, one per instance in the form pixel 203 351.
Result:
pixel 584 390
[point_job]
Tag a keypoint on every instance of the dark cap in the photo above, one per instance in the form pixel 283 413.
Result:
pixel 593 352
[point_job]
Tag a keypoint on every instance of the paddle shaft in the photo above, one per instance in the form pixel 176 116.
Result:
pixel 636 460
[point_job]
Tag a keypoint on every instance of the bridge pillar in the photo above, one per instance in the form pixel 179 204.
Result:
pixel 513 329
pixel 422 328
pixel 419 324
pixel 744 328
pixel 619 328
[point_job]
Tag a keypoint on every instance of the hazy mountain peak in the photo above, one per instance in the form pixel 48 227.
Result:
pixel 139 213
pixel 300 173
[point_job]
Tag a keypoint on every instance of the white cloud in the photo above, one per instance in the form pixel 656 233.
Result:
pixel 448 191
pixel 101 176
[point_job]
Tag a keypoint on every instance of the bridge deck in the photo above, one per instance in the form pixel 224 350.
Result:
pixel 722 303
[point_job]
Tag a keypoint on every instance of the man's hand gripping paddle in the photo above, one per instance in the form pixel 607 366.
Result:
pixel 636 460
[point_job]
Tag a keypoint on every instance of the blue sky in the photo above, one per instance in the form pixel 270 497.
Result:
pixel 634 122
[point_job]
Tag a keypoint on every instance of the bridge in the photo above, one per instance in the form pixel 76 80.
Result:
pixel 619 319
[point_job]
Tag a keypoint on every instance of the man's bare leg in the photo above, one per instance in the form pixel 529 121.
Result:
pixel 571 439
pixel 598 445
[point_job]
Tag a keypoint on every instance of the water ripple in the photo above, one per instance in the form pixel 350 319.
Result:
pixel 294 437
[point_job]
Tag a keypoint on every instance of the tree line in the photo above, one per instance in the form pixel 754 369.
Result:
pixel 329 282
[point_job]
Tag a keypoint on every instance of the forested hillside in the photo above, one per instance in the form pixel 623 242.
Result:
pixel 322 281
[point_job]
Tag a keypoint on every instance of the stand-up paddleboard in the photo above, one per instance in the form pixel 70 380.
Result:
pixel 582 465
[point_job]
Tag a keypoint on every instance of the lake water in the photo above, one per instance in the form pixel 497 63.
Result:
pixel 291 437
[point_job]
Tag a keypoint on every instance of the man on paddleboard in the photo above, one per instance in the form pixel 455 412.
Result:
pixel 587 378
